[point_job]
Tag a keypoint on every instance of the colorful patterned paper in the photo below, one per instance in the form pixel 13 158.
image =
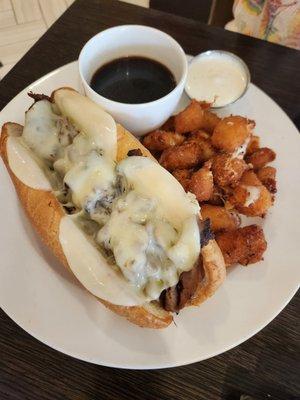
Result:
pixel 277 21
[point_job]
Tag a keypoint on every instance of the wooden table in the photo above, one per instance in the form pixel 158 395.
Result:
pixel 265 366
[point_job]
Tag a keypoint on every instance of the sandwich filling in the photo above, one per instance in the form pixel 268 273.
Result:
pixel 139 221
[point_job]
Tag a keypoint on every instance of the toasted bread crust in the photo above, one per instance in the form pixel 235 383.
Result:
pixel 41 207
pixel 126 142
pixel 215 273
pixel 45 212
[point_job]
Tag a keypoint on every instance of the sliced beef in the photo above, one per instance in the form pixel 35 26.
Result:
pixel 170 299
pixel 134 152
pixel 176 297
pixel 39 96
pixel 188 284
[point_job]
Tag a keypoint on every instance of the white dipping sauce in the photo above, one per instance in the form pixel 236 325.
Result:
pixel 217 77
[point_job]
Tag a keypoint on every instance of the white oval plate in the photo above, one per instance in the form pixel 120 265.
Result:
pixel 44 299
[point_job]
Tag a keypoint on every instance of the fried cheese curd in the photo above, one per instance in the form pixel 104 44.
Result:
pixel 217 198
pixel 160 140
pixel 221 162
pixel 261 157
pixel 196 116
pixel 244 245
pixel 183 176
pixel 202 140
pixel 199 182
pixel 169 125
pixel 220 218
pixel 253 145
pixel 183 156
pixel 232 132
pixel 267 176
pixel 250 197
pixel 202 183
pixel 190 118
pixel 210 121
pixel 227 171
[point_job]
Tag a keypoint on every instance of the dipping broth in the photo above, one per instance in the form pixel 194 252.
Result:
pixel 133 80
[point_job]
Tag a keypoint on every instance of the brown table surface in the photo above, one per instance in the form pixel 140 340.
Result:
pixel 265 366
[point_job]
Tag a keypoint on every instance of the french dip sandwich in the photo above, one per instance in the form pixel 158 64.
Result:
pixel 114 217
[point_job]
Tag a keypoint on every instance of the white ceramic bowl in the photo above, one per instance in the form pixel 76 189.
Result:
pixel 135 40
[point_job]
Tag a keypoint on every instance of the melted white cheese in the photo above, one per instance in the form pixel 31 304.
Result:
pixel 126 235
pixel 41 130
pixel 90 118
pixel 185 252
pixel 73 154
pixel 90 176
pixel 92 269
pixel 153 181
pixel 152 230
pixel 24 165
pixel 253 195
pixel 241 150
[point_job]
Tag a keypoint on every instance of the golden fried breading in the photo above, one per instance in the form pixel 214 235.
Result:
pixel 220 218
pixel 156 154
pixel 202 183
pixel 226 183
pixel 231 132
pixel 183 176
pixel 169 124
pixel 210 121
pixel 253 145
pixel 244 245
pixel 204 104
pixel 227 171
pixel 250 197
pixel 201 139
pixel 261 157
pixel 197 136
pixel 216 198
pixel 267 176
pixel 250 178
pixel 160 140
pixel 190 119
pixel 183 156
